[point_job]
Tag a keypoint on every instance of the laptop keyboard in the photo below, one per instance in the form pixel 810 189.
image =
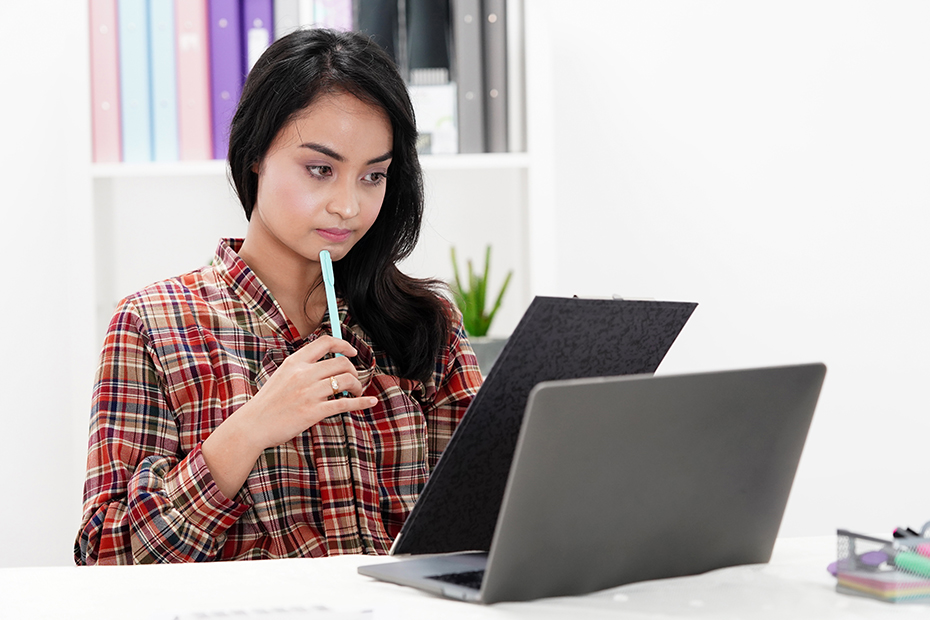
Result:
pixel 468 579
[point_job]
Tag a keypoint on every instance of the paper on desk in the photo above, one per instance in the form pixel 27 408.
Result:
pixel 291 613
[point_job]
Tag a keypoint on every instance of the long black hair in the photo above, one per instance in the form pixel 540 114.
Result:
pixel 405 317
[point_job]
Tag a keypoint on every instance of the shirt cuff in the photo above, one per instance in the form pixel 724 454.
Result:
pixel 194 493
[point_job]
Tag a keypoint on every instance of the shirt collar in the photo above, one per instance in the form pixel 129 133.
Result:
pixel 250 289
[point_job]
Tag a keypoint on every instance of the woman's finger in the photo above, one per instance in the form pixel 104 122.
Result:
pixel 343 405
pixel 323 346
pixel 342 384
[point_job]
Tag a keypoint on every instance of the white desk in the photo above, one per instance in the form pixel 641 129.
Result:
pixel 795 584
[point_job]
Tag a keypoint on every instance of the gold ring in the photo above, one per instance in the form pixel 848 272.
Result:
pixel 335 386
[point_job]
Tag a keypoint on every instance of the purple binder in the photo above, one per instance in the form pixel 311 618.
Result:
pixel 257 29
pixel 226 69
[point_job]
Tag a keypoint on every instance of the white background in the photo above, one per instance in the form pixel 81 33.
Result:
pixel 769 160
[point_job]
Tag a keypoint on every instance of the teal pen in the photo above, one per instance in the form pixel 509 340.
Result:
pixel 913 562
pixel 329 283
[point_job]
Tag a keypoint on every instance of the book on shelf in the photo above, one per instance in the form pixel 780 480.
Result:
pixel 428 41
pixel 290 15
pixel 427 35
pixel 335 14
pixel 494 24
pixel 135 80
pixel 194 118
pixel 286 17
pixel 257 29
pixel 166 75
pixel 163 59
pixel 516 87
pixel 435 110
pixel 104 82
pixel 380 20
pixel 226 69
pixel 306 12
pixel 468 74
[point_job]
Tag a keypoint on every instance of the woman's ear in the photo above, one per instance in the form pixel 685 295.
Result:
pixel 255 167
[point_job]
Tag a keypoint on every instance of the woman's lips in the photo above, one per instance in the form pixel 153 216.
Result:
pixel 334 234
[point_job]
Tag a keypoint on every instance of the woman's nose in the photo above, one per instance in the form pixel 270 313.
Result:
pixel 344 201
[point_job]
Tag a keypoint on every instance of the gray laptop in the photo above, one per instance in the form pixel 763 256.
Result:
pixel 623 479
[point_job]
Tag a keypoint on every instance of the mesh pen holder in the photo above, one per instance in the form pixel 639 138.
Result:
pixel 895 571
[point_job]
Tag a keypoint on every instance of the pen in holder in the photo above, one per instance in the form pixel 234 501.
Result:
pixel 895 571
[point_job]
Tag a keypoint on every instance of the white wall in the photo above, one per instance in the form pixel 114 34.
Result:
pixel 47 352
pixel 768 159
pixel 771 161
pixel 459 215
pixel 153 227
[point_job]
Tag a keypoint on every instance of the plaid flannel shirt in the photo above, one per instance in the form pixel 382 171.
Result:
pixel 178 359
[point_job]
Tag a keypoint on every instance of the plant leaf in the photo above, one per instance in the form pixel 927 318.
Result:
pixel 472 297
pixel 457 290
pixel 500 297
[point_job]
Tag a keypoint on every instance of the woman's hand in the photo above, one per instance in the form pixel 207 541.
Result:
pixel 299 394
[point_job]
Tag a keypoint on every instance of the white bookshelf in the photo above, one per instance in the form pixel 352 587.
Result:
pixel 212 167
pixel 156 220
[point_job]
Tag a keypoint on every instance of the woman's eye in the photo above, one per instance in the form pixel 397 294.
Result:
pixel 320 171
pixel 375 178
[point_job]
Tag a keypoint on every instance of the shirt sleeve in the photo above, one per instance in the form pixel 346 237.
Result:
pixel 457 383
pixel 144 501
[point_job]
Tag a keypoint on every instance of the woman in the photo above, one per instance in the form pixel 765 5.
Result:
pixel 218 429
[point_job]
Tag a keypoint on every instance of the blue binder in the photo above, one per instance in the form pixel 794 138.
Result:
pixel 164 80
pixel 135 85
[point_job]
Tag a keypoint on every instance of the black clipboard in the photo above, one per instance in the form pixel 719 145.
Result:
pixel 557 338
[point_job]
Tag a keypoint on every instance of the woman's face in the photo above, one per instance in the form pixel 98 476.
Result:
pixel 322 182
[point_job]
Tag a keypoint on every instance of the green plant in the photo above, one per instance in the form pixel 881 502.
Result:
pixel 471 299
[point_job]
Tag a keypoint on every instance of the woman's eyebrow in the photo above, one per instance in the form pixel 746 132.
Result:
pixel 325 150
pixel 384 157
